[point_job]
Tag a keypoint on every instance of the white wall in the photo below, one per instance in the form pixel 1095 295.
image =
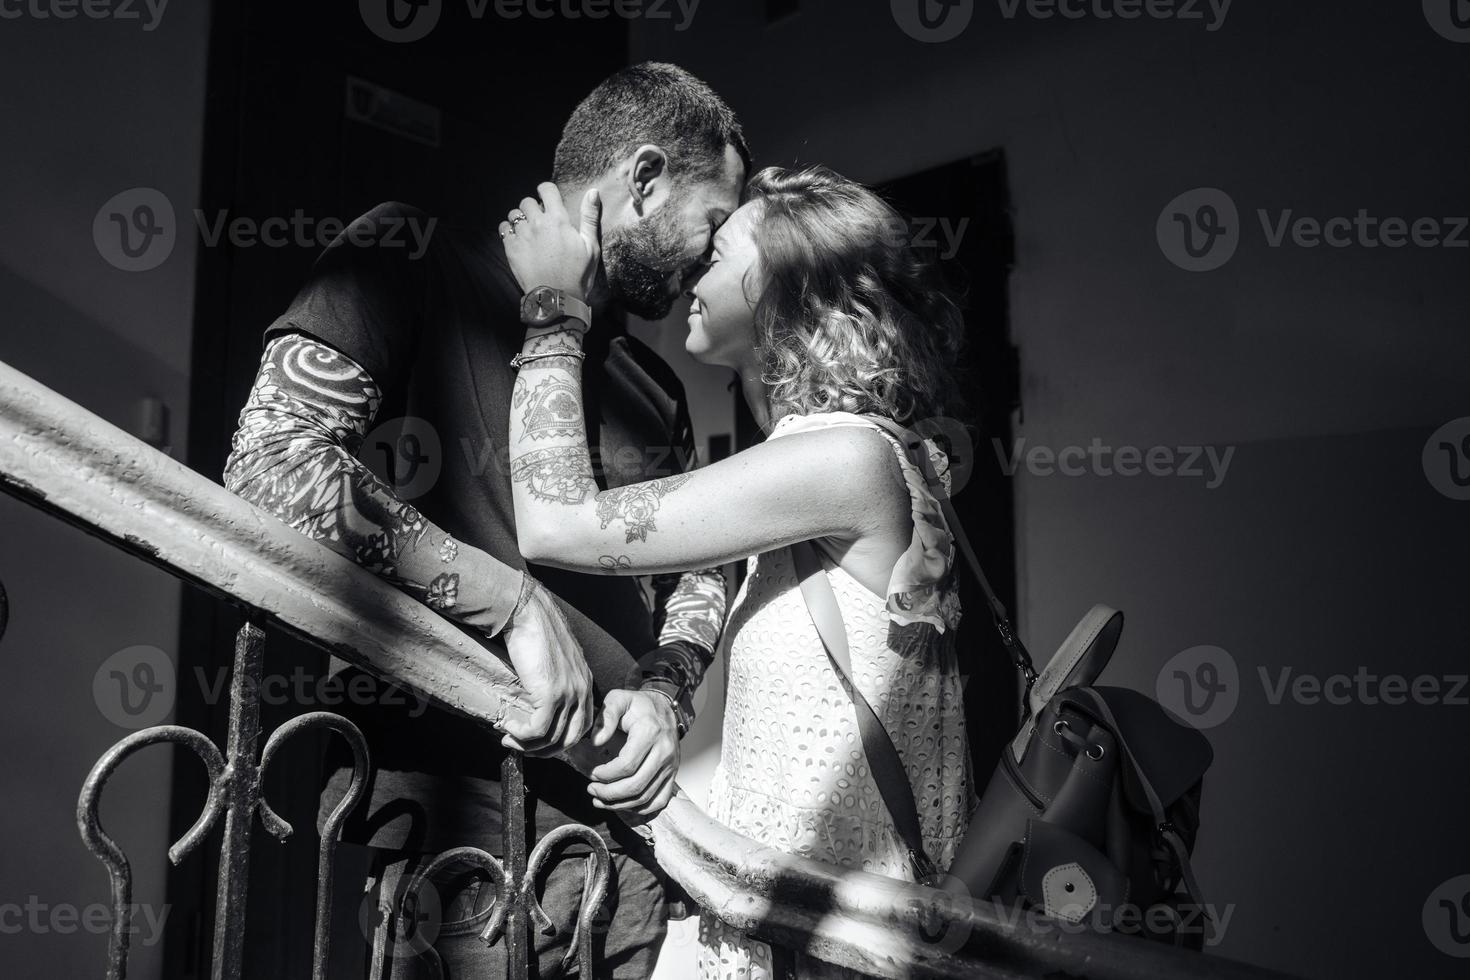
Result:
pixel 93 108
pixel 1325 549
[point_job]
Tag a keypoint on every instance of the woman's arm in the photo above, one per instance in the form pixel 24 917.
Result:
pixel 837 482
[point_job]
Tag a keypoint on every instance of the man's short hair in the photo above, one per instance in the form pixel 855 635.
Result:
pixel 653 103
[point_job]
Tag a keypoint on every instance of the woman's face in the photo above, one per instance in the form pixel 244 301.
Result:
pixel 722 319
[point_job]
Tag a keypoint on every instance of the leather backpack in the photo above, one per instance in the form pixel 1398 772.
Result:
pixel 1092 811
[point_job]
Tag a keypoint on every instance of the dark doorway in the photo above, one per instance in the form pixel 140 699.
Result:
pixel 960 213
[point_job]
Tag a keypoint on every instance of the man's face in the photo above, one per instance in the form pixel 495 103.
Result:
pixel 648 260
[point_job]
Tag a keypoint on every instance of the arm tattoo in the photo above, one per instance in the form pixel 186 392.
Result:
pixel 689 613
pixel 519 393
pixel 555 409
pixel 690 607
pixel 293 456
pixel 552 339
pixel 561 475
pixel 637 505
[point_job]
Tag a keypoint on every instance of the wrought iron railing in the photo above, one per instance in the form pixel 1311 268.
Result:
pixel 76 466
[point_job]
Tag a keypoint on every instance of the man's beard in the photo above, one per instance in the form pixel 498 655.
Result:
pixel 641 261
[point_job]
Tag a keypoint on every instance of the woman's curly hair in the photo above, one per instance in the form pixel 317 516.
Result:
pixel 851 318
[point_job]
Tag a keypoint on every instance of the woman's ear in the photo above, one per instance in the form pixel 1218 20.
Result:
pixel 647 177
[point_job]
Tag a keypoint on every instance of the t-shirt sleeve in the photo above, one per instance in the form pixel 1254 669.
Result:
pixel 368 293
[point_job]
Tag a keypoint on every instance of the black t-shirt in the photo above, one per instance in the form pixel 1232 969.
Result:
pixel 437 333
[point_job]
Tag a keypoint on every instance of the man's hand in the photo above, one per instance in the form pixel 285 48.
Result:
pixel 553 672
pixel 548 247
pixel 641 778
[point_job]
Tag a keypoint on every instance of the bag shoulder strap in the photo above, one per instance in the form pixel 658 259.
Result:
pixel 913 445
pixel 887 768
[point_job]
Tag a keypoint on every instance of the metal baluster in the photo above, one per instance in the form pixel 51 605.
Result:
pixel 242 795
pixel 331 829
pixel 513 811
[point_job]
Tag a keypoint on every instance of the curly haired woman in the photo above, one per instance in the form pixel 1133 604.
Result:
pixel 828 317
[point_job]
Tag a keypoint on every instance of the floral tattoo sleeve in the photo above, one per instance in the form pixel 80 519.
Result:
pixel 294 456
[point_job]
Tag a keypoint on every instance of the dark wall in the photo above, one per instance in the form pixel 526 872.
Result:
pixel 1328 547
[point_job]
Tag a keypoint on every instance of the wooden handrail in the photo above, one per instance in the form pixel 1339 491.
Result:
pixel 67 461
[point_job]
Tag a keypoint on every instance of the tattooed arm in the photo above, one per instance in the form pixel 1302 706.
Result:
pixel 294 456
pixel 689 613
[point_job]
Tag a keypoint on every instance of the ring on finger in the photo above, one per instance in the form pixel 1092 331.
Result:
pixel 516 217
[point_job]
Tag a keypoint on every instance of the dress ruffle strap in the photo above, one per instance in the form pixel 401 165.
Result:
pixel 921 588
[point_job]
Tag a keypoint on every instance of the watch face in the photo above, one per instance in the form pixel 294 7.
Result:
pixel 545 303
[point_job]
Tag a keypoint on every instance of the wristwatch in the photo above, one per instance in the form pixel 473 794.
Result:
pixel 544 306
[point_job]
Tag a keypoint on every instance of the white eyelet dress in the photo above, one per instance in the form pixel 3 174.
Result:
pixel 792 773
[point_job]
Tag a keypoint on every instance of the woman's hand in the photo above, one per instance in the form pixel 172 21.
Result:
pixel 546 248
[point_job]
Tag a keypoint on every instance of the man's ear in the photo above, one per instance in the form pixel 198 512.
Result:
pixel 647 177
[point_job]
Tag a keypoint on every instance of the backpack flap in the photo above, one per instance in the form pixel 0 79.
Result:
pixel 1077 663
pixel 1172 755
